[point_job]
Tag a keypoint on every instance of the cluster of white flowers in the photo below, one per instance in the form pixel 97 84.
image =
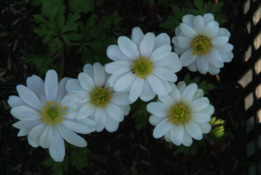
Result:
pixel 143 67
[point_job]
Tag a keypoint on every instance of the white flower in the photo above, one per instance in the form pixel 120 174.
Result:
pixel 43 109
pixel 181 115
pixel 203 46
pixel 98 100
pixel 143 65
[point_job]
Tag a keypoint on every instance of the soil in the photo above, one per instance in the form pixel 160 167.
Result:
pixel 127 151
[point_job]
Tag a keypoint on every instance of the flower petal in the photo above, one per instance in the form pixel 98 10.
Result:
pixel 186 140
pixel 147 93
pixel 226 56
pixel 188 31
pixel 71 137
pixel 26 126
pixel 166 99
pixel 36 85
pixel 73 84
pixel 176 134
pixel 76 127
pixel 29 97
pixel 25 113
pixel 225 48
pixel 204 127
pixel 208 17
pixel 188 19
pixel 136 89
pixel 209 110
pixel 182 42
pixel 175 94
pixel 115 112
pixel 199 93
pixel 86 81
pixel 165 74
pixel 156 85
pixel 111 124
pixel 147 45
pixel 219 40
pixel 115 54
pixel 69 99
pixel 118 67
pixel 194 130
pixel 85 111
pixel 161 39
pixel 61 92
pixel 46 137
pixel 51 85
pixel 128 47
pixel 100 119
pixel 137 35
pixel 158 109
pixel 213 70
pixel 88 69
pixel 57 148
pixel 214 59
pixel 199 24
pixel 187 58
pixel 120 98
pixel 35 133
pixel 160 53
pixel 200 117
pixel 14 101
pixel 154 120
pixel 189 92
pixel 124 81
pixel 211 29
pixel 161 129
pixel 199 104
pixel 99 74
pixel 202 64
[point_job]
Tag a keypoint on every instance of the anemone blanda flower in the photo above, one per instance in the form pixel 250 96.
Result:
pixel 203 46
pixel 181 115
pixel 143 65
pixel 43 109
pixel 97 100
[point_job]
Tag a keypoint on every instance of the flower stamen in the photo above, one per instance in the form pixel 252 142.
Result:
pixel 101 97
pixel 52 112
pixel 142 67
pixel 200 45
pixel 179 113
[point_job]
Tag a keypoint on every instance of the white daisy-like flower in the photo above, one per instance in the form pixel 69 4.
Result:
pixel 43 109
pixel 143 65
pixel 203 46
pixel 181 115
pixel 97 99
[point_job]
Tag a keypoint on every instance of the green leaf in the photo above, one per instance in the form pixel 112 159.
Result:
pixel 36 2
pixel 82 5
pixel 57 167
pixel 191 150
pixel 71 24
pixel 79 157
pixel 140 115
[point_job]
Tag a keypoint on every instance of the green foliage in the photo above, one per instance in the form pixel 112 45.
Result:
pixel 82 5
pixel 55 29
pixel 188 151
pixel 201 8
pixel 140 115
pixel 76 158
pixel 41 63
pixel 217 133
pixel 204 85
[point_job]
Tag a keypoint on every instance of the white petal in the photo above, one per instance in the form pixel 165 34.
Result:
pixel 189 92
pixel 29 97
pixel 161 39
pixel 147 93
pixel 154 120
pixel 157 108
pixel 167 137
pixel 125 81
pixel 46 137
pixel 226 56
pixel 57 149
pixel 120 98
pixel 204 127
pixel 171 62
pixel 99 74
pixel 188 19
pixel 115 54
pixel 194 130
pixel 113 78
pixel 69 99
pixel 161 129
pixel 164 74
pixel 199 104
pixel 115 112
pixel 182 42
pixel 86 122
pixel 25 113
pixel 199 24
pixel 136 89
pixel 179 50
pixel 181 86
pixel 73 84
pixel 118 67
pixel 76 127
pixel 176 134
pixel 26 126
pixel 209 110
pixel 36 85
pixel 88 69
pixel 147 45
pixel 225 48
pixel 86 81
pixel 223 32
pixel 188 31
pixel 166 99
pixel 83 95
pixel 200 117
pixel 199 93
pixel 202 64
pixel 125 109
pixel 35 133
pixel 51 85
pixel 213 70
pixel 208 17
pixel 137 35
pixel 111 124
pixel 128 47
pixel 100 119
pixel 14 101
pixel 187 58
pixel 193 67
pixel 160 53
pixel 85 111
pixel 219 40
pixel 214 59
pixel 156 85
pixel 175 94
pixel 61 90
pixel 186 140
pixel 71 137
pixel 211 29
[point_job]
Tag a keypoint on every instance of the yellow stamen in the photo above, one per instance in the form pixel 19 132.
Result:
pixel 200 45
pixel 101 97
pixel 142 67
pixel 52 112
pixel 179 113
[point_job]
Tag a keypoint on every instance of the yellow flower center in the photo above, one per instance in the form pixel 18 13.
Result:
pixel 179 113
pixel 101 97
pixel 200 45
pixel 142 67
pixel 52 112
